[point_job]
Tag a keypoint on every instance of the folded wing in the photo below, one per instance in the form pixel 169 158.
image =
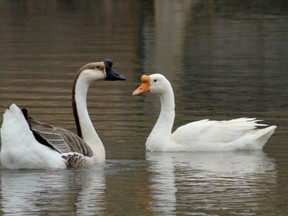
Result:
pixel 218 135
pixel 58 139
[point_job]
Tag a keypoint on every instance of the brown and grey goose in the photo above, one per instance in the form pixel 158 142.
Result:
pixel 30 144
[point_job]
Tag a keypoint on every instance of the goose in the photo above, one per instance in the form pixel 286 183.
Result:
pixel 31 144
pixel 203 135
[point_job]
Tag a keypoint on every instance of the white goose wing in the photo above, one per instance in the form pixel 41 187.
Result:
pixel 58 139
pixel 205 131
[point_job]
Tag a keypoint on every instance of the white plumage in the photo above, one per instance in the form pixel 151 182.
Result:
pixel 203 135
pixel 19 147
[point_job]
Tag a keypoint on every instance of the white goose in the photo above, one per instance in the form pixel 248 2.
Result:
pixel 203 135
pixel 30 144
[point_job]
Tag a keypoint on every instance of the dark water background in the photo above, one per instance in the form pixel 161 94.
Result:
pixel 225 59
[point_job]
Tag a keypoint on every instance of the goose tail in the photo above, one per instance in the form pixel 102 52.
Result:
pixel 262 136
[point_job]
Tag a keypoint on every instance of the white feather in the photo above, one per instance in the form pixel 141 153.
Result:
pixel 20 149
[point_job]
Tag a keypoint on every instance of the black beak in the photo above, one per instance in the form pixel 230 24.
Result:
pixel 111 74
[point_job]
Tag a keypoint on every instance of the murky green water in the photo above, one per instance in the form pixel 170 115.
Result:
pixel 224 60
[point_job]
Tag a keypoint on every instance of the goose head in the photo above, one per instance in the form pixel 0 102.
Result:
pixel 154 83
pixel 99 71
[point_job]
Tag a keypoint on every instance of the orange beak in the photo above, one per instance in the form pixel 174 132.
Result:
pixel 144 87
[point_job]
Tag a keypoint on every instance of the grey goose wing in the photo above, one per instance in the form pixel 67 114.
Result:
pixel 58 139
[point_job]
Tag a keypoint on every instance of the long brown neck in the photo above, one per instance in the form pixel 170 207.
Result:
pixel 74 106
pixel 85 128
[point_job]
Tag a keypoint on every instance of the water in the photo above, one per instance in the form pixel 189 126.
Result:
pixel 224 60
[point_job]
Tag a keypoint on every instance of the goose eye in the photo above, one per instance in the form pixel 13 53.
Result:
pixel 155 80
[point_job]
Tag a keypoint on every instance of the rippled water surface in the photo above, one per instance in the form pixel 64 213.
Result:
pixel 224 60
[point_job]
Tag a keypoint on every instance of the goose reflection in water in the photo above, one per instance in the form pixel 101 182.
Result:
pixel 65 192
pixel 209 181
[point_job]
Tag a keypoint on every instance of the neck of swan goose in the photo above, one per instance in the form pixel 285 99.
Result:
pixel 165 121
pixel 85 128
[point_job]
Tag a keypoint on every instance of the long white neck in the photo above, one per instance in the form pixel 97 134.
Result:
pixel 164 124
pixel 84 124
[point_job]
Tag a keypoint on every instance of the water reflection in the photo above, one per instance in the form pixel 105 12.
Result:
pixel 46 192
pixel 206 182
